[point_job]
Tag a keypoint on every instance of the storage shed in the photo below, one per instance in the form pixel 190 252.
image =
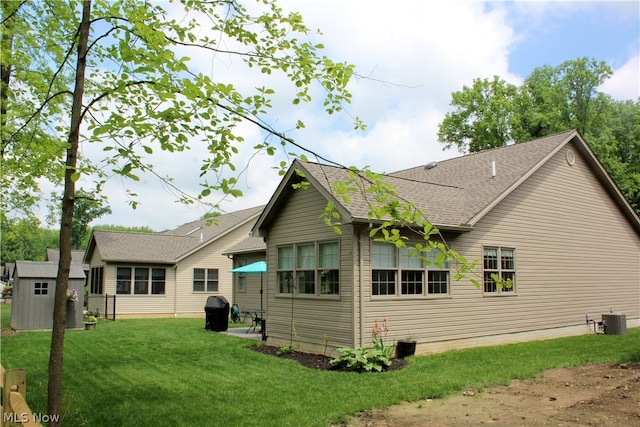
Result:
pixel 34 285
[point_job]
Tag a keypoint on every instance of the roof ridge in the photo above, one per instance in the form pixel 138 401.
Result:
pixel 489 150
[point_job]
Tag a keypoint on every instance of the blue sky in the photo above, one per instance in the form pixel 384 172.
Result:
pixel 608 31
pixel 425 51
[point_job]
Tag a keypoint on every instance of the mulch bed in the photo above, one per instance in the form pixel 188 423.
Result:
pixel 316 361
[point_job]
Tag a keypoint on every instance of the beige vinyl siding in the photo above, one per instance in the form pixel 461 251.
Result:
pixel 192 303
pixel 96 302
pixel 140 305
pixel 316 319
pixel 575 254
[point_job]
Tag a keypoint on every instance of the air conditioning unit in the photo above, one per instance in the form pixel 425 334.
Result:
pixel 615 323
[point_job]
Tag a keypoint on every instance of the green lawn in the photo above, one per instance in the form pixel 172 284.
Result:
pixel 162 372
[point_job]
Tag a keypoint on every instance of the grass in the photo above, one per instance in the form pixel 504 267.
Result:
pixel 158 372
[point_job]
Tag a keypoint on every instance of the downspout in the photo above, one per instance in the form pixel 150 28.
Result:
pixel 360 290
pixel 175 291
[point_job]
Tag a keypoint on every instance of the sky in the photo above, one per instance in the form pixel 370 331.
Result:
pixel 411 55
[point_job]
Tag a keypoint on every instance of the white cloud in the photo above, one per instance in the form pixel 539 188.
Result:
pixel 625 82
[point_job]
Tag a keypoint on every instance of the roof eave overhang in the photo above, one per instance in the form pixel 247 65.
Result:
pixel 453 228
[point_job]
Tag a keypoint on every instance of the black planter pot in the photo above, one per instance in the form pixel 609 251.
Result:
pixel 405 348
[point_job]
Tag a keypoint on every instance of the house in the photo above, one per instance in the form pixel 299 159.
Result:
pixel 544 214
pixel 34 285
pixel 171 273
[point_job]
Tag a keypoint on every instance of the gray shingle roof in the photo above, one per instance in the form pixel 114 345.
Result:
pixel 452 194
pixel 166 247
pixel 45 270
pixel 250 244
pixel 473 173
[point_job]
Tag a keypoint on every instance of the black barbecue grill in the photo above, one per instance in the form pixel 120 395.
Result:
pixel 216 313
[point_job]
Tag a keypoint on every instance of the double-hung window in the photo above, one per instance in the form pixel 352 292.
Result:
pixel 412 273
pixel 398 272
pixel 205 280
pixel 329 266
pixel 499 262
pixel 309 268
pixel 285 269
pixel 385 268
pixel 305 268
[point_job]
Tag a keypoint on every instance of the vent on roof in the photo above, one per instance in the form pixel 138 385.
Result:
pixel 430 165
pixel 193 231
pixel 493 168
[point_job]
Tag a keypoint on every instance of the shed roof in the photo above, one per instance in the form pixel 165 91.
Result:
pixel 45 270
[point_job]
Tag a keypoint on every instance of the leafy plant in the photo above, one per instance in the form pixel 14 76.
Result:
pixel 368 358
pixel 286 350
pixel 364 359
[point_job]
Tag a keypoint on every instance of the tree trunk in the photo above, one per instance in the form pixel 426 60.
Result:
pixel 64 265
pixel 6 40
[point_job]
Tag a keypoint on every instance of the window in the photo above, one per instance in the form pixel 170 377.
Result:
pixel 123 280
pixel 305 263
pixel 329 265
pixel 500 262
pixel 97 280
pixel 242 282
pixel 41 288
pixel 285 269
pixel 389 263
pixel 412 275
pixel 158 279
pixel 141 284
pixel 384 262
pixel 316 272
pixel 142 280
pixel 205 278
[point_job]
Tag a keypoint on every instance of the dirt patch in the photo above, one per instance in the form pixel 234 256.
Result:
pixel 7 332
pixel 592 395
pixel 604 395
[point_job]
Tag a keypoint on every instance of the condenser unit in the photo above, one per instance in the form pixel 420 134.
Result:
pixel 615 323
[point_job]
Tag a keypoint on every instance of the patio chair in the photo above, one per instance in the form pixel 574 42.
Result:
pixel 235 313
